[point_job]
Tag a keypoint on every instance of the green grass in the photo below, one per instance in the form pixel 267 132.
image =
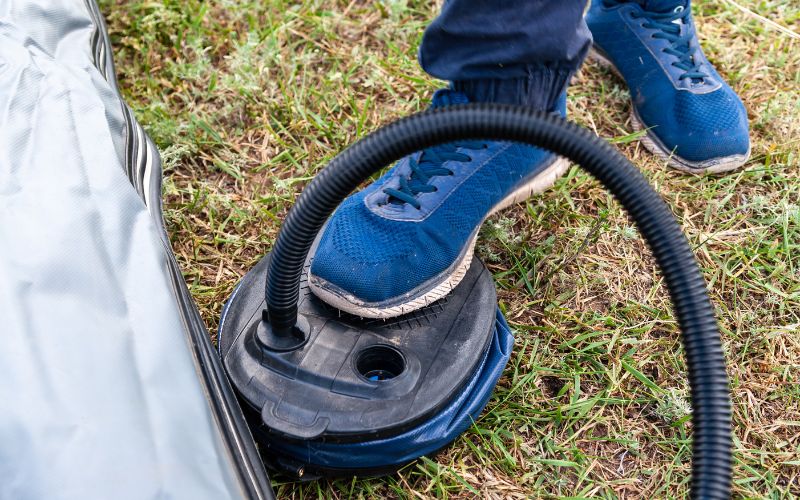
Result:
pixel 247 100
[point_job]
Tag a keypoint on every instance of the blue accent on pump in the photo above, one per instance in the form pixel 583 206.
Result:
pixel 692 112
pixel 424 439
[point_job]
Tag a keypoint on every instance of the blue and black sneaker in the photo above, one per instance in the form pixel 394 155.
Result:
pixel 694 120
pixel 407 240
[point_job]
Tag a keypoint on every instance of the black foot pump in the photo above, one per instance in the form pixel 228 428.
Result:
pixel 329 394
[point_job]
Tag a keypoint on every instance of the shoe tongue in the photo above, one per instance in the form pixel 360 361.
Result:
pixel 447 97
pixel 663 5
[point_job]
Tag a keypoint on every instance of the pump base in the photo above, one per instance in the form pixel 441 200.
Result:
pixel 360 384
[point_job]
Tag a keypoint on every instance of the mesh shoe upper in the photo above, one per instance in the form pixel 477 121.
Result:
pixel 675 91
pixel 379 248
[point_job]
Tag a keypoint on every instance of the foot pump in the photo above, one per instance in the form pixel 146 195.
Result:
pixel 329 394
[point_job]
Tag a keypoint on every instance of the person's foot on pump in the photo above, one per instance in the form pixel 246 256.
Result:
pixel 693 119
pixel 407 240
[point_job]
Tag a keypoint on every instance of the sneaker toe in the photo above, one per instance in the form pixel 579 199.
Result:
pixel 374 259
pixel 706 127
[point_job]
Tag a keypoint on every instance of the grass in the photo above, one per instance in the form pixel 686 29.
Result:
pixel 247 100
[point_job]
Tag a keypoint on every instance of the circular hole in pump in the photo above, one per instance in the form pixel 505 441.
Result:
pixel 380 362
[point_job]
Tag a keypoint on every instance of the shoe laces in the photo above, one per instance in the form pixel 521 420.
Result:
pixel 668 27
pixel 430 164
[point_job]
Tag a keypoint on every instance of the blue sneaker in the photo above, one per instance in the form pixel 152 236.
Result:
pixel 407 240
pixel 694 120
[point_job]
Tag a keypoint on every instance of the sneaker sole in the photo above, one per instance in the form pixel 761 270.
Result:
pixel 655 146
pixel 443 283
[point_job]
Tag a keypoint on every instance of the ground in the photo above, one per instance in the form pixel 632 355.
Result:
pixel 247 100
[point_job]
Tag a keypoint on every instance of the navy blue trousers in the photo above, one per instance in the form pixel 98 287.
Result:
pixel 514 51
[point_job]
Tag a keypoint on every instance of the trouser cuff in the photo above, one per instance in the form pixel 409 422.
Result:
pixel 540 89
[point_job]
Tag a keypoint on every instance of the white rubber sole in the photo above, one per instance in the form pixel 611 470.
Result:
pixel 444 283
pixel 654 145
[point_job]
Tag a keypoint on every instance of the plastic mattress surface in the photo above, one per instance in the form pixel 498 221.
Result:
pixel 105 389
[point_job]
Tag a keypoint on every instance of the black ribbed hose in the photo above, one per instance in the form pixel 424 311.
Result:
pixel 711 413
